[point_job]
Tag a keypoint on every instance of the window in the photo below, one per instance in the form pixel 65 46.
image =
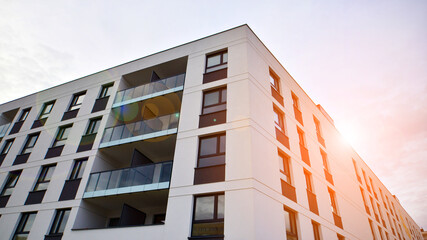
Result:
pixel 12 179
pixel 208 215
pixel 279 119
pixel 216 61
pixel 340 237
pixel 316 230
pixel 46 110
pixel 78 169
pixel 30 143
pixel 61 136
pixel 275 81
pixel 325 160
pixel 285 166
pixel 106 90
pixel 93 126
pixel 317 124
pixel 77 101
pixel 372 229
pixel 308 181
pixel 291 225
pixel 44 178
pixel 24 226
pixel 59 222
pixel 212 151
pixel 333 199
pixel 24 114
pixel 301 137
pixel 295 101
pixel 6 146
pixel 214 100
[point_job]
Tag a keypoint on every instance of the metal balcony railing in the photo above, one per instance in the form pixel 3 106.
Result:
pixel 129 130
pixel 3 129
pixel 127 180
pixel 149 88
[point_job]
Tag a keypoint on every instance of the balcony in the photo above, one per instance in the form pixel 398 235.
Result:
pixel 136 131
pixel 3 129
pixel 150 90
pixel 129 180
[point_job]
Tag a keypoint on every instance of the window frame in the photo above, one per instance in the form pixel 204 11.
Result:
pixel 281 118
pixel 10 183
pixel 45 114
pixel 333 199
pixel 301 137
pixel 221 65
pixel 274 80
pixel 7 145
pixel 292 223
pixel 24 114
pixel 316 230
pixel 221 101
pixel 58 221
pixel 27 145
pixel 105 90
pixel 93 126
pixel 295 100
pixel 318 127
pixel 22 224
pixel 325 161
pixel 286 163
pixel 215 218
pixel 75 103
pixel 41 180
pixel 308 180
pixel 218 149
pixel 59 138
pixel 77 170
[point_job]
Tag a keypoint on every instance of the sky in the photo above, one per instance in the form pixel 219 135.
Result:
pixel 364 61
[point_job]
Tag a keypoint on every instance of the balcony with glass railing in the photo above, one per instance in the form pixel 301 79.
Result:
pixel 3 129
pixel 150 90
pixel 143 178
pixel 141 130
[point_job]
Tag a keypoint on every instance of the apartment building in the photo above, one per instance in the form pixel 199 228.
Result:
pixel 212 139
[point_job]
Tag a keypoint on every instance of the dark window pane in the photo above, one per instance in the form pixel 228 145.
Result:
pixel 204 208
pixel 220 206
pixel 222 144
pixel 208 146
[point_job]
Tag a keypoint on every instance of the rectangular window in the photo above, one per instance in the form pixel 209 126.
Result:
pixel 78 169
pixel 59 222
pixel 77 101
pixel 317 124
pixel 295 101
pixel 325 160
pixel 372 229
pixel 30 143
pixel 284 161
pixel 208 216
pixel 291 224
pixel 24 226
pixel 279 121
pixel 333 199
pixel 62 136
pixel 44 178
pixel 212 150
pixel 216 61
pixel 301 137
pixel 308 181
pixel 106 90
pixel 93 126
pixel 6 146
pixel 24 114
pixel 316 230
pixel 46 110
pixel 12 179
pixel 275 81
pixel 214 100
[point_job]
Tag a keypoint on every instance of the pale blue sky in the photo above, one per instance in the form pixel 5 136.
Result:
pixel 364 61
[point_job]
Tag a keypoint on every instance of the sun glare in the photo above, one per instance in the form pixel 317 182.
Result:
pixel 350 134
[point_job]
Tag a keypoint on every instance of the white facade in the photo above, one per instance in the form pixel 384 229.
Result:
pixel 254 194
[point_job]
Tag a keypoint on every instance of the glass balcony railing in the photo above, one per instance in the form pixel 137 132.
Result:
pixel 127 180
pixel 129 130
pixel 149 88
pixel 3 129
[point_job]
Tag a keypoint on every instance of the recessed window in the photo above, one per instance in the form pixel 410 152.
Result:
pixel 212 150
pixel 62 136
pixel 12 179
pixel 291 225
pixel 214 100
pixel 279 121
pixel 275 81
pixel 208 216
pixel 30 143
pixel 24 226
pixel 295 101
pixel 316 230
pixel 77 101
pixel 317 124
pixel 78 169
pixel 308 181
pixel 59 222
pixel 24 114
pixel 324 160
pixel 6 146
pixel 216 61
pixel 340 237
pixel 285 167
pixel 46 110
pixel 301 137
pixel 44 178
pixel 93 126
pixel 333 200
pixel 106 90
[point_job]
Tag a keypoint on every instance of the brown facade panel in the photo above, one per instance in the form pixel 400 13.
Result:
pixel 298 115
pixel 328 177
pixel 289 191
pixel 35 197
pixel 312 202
pixel 212 119
pixel 282 138
pixel 276 95
pixel 337 221
pixel 38 123
pixel 304 155
pixel 214 76
pixel 100 104
pixel 54 152
pixel 209 174
pixel 16 127
pixel 70 114
pixel 69 190
pixel 20 159
pixel 4 200
pixel 321 140
pixel 86 142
